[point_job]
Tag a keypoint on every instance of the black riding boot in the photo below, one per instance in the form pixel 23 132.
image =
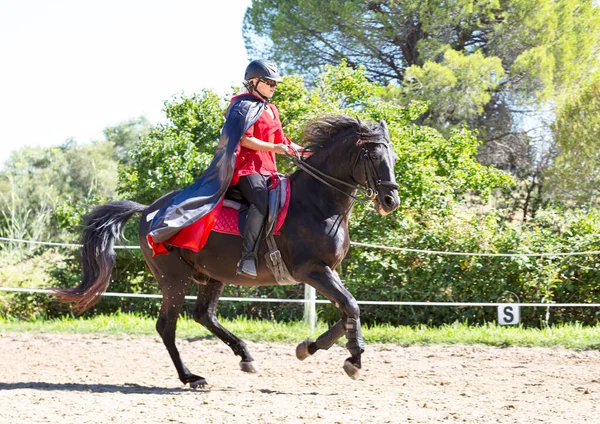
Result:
pixel 251 243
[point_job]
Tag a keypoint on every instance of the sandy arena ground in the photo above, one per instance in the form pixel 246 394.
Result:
pixel 70 378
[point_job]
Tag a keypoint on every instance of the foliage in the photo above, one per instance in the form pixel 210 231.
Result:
pixel 171 156
pixel 575 174
pixel 458 88
pixel 68 170
pixel 44 193
pixel 35 181
pixel 126 135
pixel 68 214
pixel 29 270
pixel 544 46
pixel 371 274
pixel 20 222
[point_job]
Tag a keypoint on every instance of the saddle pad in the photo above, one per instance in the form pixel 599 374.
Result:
pixel 227 220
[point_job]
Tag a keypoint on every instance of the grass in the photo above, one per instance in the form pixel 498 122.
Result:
pixel 572 336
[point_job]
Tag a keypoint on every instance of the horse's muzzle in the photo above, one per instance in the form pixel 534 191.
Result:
pixel 387 203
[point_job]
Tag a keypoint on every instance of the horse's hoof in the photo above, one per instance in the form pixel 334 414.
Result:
pixel 199 382
pixel 302 350
pixel 352 370
pixel 248 366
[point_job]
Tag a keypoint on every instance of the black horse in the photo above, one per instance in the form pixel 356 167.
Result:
pixel 313 241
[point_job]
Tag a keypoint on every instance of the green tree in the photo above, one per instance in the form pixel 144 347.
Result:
pixel 68 170
pixel 126 135
pixel 575 174
pixel 35 181
pixel 45 189
pixel 172 155
pixel 480 62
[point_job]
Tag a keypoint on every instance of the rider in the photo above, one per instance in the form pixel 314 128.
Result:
pixel 255 160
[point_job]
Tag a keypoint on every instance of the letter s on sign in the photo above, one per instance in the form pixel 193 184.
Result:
pixel 508 314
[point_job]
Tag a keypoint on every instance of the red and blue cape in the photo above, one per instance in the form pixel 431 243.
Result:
pixel 205 195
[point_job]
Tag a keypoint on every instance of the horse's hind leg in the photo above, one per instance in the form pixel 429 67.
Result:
pixel 173 276
pixel 205 312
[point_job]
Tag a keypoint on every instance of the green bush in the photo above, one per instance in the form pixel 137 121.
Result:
pixel 372 274
pixel 19 269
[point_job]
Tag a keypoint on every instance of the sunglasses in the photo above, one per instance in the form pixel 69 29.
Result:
pixel 270 83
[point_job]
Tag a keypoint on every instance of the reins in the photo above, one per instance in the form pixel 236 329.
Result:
pixel 321 176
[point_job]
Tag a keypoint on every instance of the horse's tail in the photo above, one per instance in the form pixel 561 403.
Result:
pixel 101 228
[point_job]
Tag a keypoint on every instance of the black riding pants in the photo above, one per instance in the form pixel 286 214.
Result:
pixel 255 189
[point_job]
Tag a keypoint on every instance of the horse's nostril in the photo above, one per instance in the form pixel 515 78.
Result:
pixel 388 200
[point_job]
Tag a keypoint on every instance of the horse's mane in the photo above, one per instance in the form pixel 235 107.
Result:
pixel 337 131
pixel 334 141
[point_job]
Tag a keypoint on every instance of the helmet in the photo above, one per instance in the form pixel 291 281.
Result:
pixel 262 69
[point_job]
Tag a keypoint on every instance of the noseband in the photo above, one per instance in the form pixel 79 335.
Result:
pixel 371 180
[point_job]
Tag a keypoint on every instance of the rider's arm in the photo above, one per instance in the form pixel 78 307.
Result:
pixel 253 143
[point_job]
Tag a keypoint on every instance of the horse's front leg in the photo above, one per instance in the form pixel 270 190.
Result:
pixel 309 347
pixel 328 283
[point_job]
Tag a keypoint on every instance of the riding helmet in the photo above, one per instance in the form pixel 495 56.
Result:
pixel 261 68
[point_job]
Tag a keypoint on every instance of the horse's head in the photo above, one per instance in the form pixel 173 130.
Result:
pixel 369 162
pixel 375 168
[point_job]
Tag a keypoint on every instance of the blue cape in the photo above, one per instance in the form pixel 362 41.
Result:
pixel 198 199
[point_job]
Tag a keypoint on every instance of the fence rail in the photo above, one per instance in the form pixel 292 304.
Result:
pixel 359 244
pixel 321 301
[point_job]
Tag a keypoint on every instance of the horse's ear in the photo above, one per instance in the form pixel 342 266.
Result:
pixel 359 122
pixel 383 125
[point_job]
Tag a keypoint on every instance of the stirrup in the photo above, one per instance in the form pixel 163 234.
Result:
pixel 247 267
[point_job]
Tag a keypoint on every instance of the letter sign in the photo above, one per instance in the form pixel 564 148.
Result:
pixel 508 314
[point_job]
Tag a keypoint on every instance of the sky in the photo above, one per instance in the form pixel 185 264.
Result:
pixel 70 68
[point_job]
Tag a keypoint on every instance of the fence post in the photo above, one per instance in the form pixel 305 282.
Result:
pixel 310 311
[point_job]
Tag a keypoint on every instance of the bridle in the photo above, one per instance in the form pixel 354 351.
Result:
pixel 372 172
pixel 371 181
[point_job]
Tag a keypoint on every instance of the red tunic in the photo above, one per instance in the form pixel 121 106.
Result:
pixel 248 161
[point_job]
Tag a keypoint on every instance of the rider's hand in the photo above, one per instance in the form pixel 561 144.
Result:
pixel 280 149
